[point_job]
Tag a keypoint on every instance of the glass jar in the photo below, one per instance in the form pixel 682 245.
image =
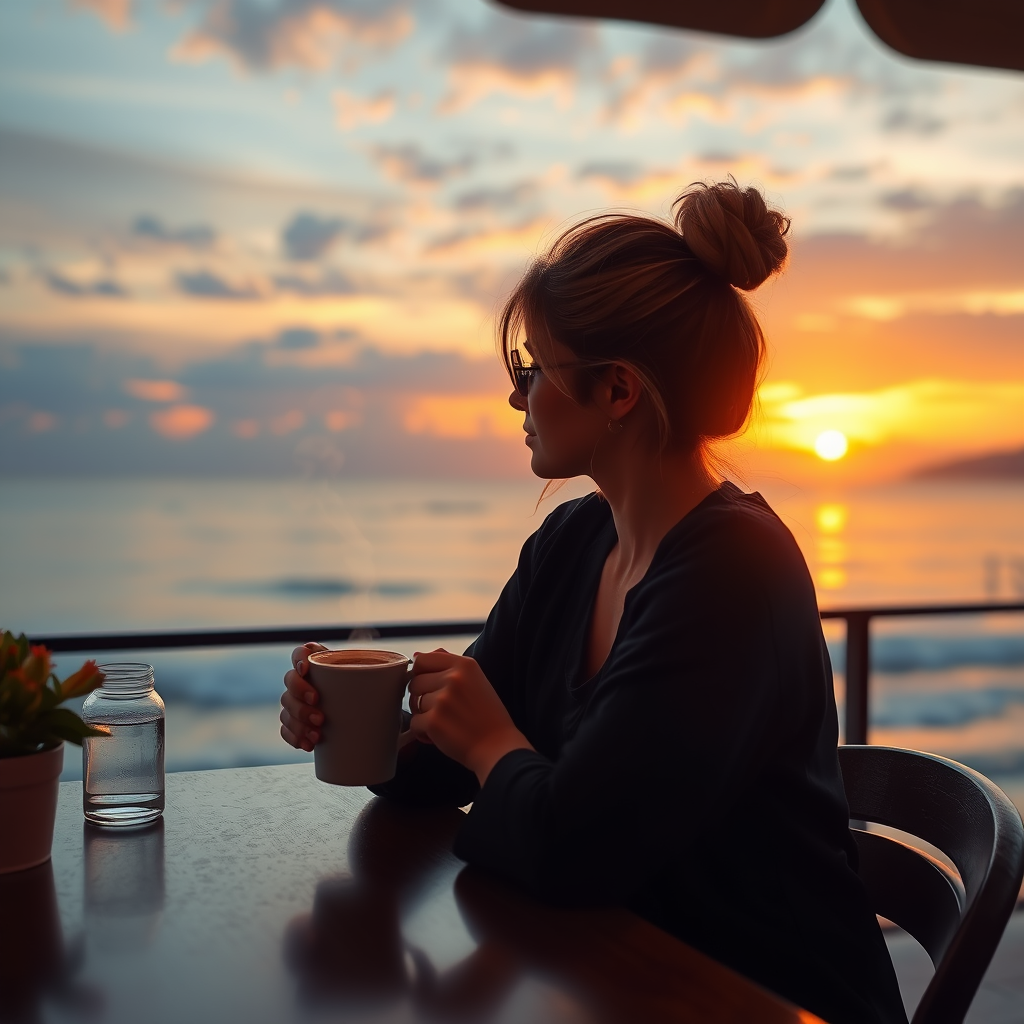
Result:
pixel 123 773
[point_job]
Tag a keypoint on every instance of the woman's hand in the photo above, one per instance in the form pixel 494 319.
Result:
pixel 455 708
pixel 301 721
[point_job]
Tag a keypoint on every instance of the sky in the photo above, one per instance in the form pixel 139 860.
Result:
pixel 270 236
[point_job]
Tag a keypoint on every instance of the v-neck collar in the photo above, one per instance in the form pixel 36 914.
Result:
pixel 579 687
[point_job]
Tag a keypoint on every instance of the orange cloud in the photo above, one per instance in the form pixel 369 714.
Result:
pixel 155 390
pixel 181 422
pixel 974 302
pixel 471 84
pixel 288 423
pixel 116 13
pixel 517 57
pixel 943 413
pixel 516 240
pixel 41 422
pixel 341 419
pixel 308 34
pixel 351 111
pixel 463 416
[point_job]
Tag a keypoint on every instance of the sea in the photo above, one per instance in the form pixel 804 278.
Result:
pixel 84 556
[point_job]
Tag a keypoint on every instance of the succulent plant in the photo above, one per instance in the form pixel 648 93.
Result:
pixel 31 718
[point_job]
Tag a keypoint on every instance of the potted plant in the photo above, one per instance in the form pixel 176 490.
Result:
pixel 33 728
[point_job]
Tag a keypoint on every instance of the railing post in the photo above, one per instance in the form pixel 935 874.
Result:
pixel 858 667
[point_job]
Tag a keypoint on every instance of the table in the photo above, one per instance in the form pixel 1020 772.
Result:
pixel 266 896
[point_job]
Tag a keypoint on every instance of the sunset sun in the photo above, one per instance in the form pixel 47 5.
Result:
pixel 831 445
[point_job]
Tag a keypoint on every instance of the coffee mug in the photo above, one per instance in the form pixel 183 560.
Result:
pixel 361 699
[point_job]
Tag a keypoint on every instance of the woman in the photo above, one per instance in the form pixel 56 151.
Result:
pixel 648 718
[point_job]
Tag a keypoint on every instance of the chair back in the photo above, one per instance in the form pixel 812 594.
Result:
pixel 958 920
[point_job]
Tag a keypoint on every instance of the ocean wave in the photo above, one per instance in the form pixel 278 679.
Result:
pixel 943 709
pixel 304 588
pixel 455 508
pixel 913 653
pixel 222 679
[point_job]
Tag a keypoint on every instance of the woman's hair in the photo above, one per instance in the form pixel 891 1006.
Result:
pixel 663 299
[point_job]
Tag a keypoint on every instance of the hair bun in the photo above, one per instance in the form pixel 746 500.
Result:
pixel 733 231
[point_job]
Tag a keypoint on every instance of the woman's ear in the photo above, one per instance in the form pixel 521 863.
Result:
pixel 624 390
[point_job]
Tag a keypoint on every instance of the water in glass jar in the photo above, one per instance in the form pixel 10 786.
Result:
pixel 124 774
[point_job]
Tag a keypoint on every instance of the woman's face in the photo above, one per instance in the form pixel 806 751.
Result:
pixel 562 434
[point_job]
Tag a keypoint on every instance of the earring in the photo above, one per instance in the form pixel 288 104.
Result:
pixel 615 426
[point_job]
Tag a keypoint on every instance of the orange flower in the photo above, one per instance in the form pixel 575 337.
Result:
pixel 36 669
pixel 9 656
pixel 85 680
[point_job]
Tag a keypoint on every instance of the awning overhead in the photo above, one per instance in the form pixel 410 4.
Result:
pixel 989 33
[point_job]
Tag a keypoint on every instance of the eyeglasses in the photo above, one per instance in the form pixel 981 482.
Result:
pixel 522 375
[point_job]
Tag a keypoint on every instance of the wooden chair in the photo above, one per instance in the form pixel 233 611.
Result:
pixel 958 920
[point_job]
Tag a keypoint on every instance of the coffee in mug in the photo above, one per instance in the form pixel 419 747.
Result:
pixel 361 700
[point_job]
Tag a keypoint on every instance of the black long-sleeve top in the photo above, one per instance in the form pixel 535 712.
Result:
pixel 694 778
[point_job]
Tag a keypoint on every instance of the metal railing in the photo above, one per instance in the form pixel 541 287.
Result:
pixel 858 642
pixel 858 650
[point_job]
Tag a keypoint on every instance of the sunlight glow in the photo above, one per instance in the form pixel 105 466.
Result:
pixel 831 445
pixel 930 411
pixel 831 518
pixel 832 578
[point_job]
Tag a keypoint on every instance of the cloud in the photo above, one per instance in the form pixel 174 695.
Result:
pixel 331 282
pixel 207 285
pixel 973 302
pixel 510 198
pixel 155 390
pixel 116 13
pixel 308 34
pixel 338 420
pixel 105 286
pixel 673 79
pixel 514 240
pixel 959 248
pixel 352 111
pixel 408 163
pixel 463 416
pixel 516 55
pixel 907 200
pixel 669 54
pixel 193 236
pixel 297 338
pixel 308 236
pixel 615 172
pixel 181 422
pixel 245 410
pixel 851 172
pixel 912 122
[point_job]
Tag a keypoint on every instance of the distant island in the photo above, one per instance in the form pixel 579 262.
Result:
pixel 997 466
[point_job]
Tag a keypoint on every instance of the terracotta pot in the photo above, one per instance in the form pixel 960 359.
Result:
pixel 28 807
